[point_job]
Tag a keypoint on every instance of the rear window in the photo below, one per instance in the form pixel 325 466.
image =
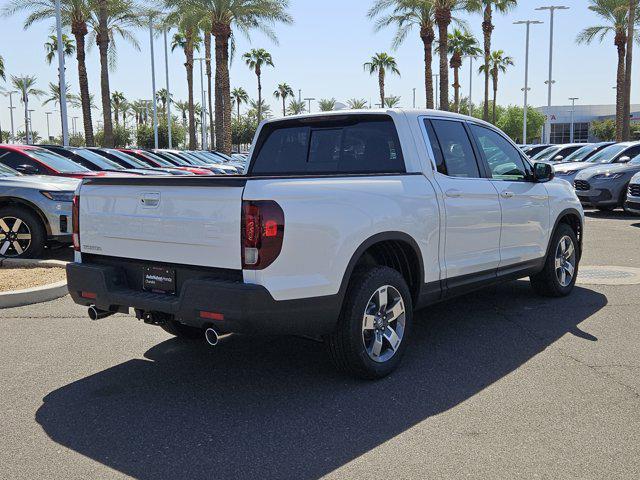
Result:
pixel 353 144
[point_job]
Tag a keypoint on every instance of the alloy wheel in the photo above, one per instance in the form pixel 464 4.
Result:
pixel 15 237
pixel 565 261
pixel 383 324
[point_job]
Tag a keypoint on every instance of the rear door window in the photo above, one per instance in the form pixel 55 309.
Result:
pixel 344 145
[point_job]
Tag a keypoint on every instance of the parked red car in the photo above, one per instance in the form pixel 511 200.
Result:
pixel 154 161
pixel 33 160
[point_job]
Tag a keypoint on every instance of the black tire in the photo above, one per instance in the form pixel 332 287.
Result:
pixel 35 228
pixel 184 332
pixel 547 283
pixel 346 346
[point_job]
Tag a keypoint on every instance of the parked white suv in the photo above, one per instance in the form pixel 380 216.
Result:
pixel 344 225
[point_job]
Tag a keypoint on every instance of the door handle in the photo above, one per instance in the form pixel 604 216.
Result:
pixel 453 193
pixel 507 194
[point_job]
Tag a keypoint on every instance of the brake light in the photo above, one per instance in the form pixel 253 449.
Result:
pixel 75 222
pixel 262 233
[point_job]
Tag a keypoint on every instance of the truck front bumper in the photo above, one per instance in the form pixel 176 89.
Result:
pixel 229 306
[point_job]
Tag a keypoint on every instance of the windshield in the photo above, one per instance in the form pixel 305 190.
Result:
pixel 8 172
pixel 127 158
pixel 547 153
pixel 607 155
pixel 55 161
pixel 156 158
pixel 98 160
pixel 580 154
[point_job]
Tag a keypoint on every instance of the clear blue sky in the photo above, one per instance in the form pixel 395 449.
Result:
pixel 323 53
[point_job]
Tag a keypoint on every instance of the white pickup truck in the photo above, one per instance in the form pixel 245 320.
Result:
pixel 343 225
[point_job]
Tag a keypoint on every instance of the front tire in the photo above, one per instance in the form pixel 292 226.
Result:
pixel 374 325
pixel 561 266
pixel 22 234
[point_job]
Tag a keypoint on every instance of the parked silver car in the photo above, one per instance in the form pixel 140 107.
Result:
pixel 616 153
pixel 35 211
pixel 606 186
pixel 632 205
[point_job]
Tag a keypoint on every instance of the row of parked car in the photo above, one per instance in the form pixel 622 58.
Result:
pixel 605 175
pixel 37 184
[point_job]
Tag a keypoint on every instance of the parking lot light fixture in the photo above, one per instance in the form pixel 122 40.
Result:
pixel 573 111
pixel 61 78
pixel 526 88
pixel 153 84
pixel 48 130
pixel 550 81
pixel 309 100
pixel 11 107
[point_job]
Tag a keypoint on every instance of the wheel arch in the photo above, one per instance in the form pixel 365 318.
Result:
pixel 573 218
pixel 16 201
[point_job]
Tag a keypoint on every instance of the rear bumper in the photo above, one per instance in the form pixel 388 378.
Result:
pixel 246 308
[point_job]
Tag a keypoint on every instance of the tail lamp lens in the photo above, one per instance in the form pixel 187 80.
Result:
pixel 262 233
pixel 75 221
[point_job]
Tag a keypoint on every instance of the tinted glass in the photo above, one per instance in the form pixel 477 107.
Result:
pixel 6 171
pixel 505 162
pixel 546 154
pixel 452 144
pixel 97 160
pixel 15 161
pixel 608 154
pixel 630 152
pixel 55 161
pixel 349 145
pixel 582 153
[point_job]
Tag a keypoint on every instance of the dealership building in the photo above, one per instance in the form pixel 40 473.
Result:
pixel 583 116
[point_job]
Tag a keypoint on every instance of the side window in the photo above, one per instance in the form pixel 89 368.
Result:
pixel 15 160
pixel 452 148
pixel 630 152
pixel 505 162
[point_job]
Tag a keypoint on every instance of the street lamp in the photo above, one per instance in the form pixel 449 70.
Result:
pixel 526 88
pixel 166 71
pixel 11 107
pixel 153 84
pixel 75 125
pixel 437 96
pixel 550 82
pixel 48 131
pixel 414 98
pixel 203 106
pixel 573 111
pixel 62 84
pixel 309 100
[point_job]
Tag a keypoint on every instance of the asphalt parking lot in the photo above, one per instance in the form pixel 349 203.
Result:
pixel 498 384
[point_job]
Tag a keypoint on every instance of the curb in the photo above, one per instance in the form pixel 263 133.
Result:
pixel 29 296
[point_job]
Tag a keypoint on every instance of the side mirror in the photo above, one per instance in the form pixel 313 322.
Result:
pixel 27 169
pixel 558 158
pixel 543 172
pixel 624 159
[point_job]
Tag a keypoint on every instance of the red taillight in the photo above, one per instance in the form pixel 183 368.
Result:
pixel 212 316
pixel 89 295
pixel 75 221
pixel 262 233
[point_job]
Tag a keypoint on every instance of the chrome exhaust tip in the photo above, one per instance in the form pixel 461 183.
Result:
pixel 211 336
pixel 97 314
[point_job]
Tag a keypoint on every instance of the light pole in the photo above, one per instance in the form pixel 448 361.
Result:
pixel 75 125
pixel 203 106
pixel 309 100
pixel 437 96
pixel 11 107
pixel 153 84
pixel 526 88
pixel 166 71
pixel 573 112
pixel 30 122
pixel 414 98
pixel 62 84
pixel 550 82
pixel 48 131
pixel 471 59
pixel 299 95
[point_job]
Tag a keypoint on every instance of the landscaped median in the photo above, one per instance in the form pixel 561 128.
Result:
pixel 24 281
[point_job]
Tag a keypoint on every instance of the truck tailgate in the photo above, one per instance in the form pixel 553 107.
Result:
pixel 173 222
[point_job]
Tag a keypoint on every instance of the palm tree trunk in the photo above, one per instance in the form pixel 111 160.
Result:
pixel 621 43
pixel 226 96
pixel 102 39
pixel 25 99
pixel 456 89
pixel 221 33
pixel 207 55
pixel 79 32
pixel 443 19
pixel 428 36
pixel 381 86
pixel 188 52
pixel 626 123
pixel 487 29
pixel 238 102
pixel 259 97
pixel 284 106
pixel 116 112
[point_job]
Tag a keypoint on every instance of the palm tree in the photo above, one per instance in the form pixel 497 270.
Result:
pixel 498 63
pixel 443 16
pixel 357 103
pixel 392 101
pixel 189 41
pixel 327 104
pixel 227 16
pixel 487 8
pixel 461 44
pixel 205 27
pixel 632 20
pixel 239 96
pixel 117 100
pixel 25 84
pixel 140 109
pixel 75 15
pixel 381 63
pixel 183 108
pixel 614 13
pixel 255 60
pixel 163 97
pixel 259 108
pixel 51 47
pixel 296 108
pixel 405 15
pixel 111 18
pixel 54 97
pixel 283 91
